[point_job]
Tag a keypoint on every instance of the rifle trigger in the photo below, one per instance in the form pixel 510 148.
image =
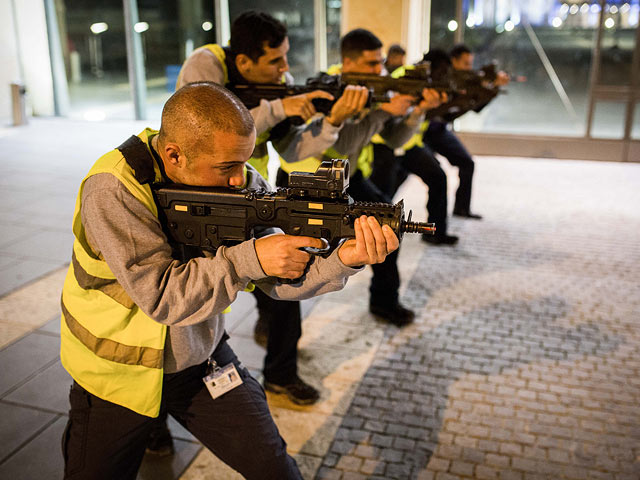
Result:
pixel 317 251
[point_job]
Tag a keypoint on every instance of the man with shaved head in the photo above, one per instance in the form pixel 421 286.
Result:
pixel 142 326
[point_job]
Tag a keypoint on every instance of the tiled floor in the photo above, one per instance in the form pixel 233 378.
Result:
pixel 523 361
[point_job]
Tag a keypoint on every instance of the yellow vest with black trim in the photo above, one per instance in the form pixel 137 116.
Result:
pixel 108 345
pixel 310 164
pixel 260 156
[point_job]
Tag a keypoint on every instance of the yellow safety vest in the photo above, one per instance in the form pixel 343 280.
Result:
pixel 416 139
pixel 260 156
pixel 108 345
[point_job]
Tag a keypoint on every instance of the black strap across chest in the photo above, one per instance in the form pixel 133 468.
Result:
pixel 137 155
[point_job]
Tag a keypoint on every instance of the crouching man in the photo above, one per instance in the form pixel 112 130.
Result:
pixel 142 329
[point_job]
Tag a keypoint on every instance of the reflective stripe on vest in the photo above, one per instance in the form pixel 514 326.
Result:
pixel 108 345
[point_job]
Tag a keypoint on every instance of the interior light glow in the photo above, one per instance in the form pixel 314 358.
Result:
pixel 471 21
pixel 574 9
pixel 99 27
pixel 625 8
pixel 94 115
pixel 556 22
pixel 499 28
pixel 584 8
pixel 452 25
pixel 508 25
pixel 609 23
pixel 141 27
pixel 613 9
pixel 564 9
pixel 595 8
pixel 206 26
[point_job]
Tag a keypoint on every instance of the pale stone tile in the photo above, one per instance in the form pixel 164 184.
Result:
pixel 10 332
pixel 36 303
pixel 306 432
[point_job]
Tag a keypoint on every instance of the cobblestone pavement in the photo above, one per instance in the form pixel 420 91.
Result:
pixel 524 361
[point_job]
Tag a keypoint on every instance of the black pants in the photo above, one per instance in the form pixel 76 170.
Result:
pixel 443 141
pixel 389 172
pixel 386 278
pixel 107 441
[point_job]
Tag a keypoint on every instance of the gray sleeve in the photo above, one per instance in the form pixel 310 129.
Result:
pixel 399 130
pixel 130 239
pixel 308 140
pixel 203 66
pixel 355 135
pixel 324 275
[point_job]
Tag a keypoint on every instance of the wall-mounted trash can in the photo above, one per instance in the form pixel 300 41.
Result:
pixel 18 104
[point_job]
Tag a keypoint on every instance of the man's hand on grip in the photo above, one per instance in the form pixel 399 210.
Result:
pixel 280 255
pixel 372 243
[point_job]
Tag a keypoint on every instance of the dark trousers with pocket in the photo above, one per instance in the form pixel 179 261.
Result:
pixel 385 282
pixel 389 172
pixel 107 441
pixel 443 141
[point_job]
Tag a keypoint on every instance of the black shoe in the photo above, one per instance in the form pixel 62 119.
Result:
pixel 396 314
pixel 261 332
pixel 440 239
pixel 160 442
pixel 467 214
pixel 298 391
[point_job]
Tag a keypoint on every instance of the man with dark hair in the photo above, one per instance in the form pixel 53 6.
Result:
pixel 142 326
pixel 395 58
pixel 391 170
pixel 393 122
pixel 439 137
pixel 258 54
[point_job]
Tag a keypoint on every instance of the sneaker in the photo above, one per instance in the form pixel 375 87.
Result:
pixel 467 214
pixel 261 332
pixel 298 391
pixel 160 442
pixel 396 314
pixel 440 239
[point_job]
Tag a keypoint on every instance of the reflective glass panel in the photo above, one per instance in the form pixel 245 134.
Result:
pixel 618 38
pixel 170 31
pixel 298 16
pixel 95 55
pixel 334 8
pixel 608 120
pixel 549 43
pixel 635 127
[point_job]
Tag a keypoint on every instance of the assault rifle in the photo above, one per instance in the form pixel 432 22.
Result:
pixel 474 89
pixel 380 87
pixel 314 205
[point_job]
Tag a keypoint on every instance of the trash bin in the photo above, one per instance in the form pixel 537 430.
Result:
pixel 18 104
pixel 172 72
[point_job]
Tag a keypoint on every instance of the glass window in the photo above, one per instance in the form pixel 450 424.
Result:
pixel 608 120
pixel 334 8
pixel 443 24
pixel 635 126
pixel 553 53
pixel 618 38
pixel 298 16
pixel 170 31
pixel 95 55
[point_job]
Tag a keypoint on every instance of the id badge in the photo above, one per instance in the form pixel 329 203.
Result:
pixel 222 380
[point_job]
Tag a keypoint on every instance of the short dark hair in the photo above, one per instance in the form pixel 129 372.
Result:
pixel 458 50
pixel 200 109
pixel 439 60
pixel 357 41
pixel 251 30
pixel 396 49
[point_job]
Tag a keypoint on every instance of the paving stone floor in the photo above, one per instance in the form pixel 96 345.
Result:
pixel 523 362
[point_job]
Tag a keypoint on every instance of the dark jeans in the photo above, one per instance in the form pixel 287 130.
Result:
pixel 443 141
pixel 107 441
pixel 285 329
pixel 386 278
pixel 389 172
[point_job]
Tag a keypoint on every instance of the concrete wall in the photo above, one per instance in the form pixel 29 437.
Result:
pixel 393 21
pixel 10 71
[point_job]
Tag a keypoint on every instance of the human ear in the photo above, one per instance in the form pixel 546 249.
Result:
pixel 243 63
pixel 174 154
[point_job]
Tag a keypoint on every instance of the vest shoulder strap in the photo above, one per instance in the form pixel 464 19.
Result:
pixel 137 156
